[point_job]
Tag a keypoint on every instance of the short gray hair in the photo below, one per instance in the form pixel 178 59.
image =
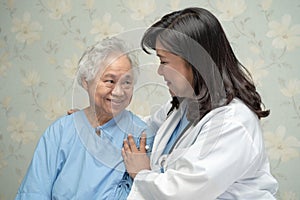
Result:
pixel 94 55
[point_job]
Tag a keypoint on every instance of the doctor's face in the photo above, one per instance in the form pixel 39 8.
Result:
pixel 176 72
pixel 111 91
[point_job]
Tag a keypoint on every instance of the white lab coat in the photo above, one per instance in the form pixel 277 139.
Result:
pixel 222 157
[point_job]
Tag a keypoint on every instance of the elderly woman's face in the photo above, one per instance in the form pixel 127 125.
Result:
pixel 111 90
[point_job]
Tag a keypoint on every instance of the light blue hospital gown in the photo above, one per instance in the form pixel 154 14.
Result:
pixel 72 162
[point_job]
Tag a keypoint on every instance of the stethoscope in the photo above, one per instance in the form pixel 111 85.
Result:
pixel 175 104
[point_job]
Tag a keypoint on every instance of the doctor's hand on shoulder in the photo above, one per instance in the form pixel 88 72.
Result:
pixel 135 159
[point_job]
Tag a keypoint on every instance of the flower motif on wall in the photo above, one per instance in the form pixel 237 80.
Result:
pixel 54 107
pixel 21 130
pixel 230 8
pixel 266 4
pixel 32 78
pixel 89 4
pixel 281 147
pixel 58 8
pixel 10 4
pixel 136 108
pixel 292 88
pixel 289 196
pixel 5 103
pixel 140 8
pixel 26 30
pixel 70 67
pixel 105 28
pixel 151 95
pixel 255 49
pixel 256 70
pixel 174 4
pixel 3 162
pixel 4 63
pixel 285 35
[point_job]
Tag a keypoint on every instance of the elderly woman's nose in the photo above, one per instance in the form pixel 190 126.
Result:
pixel 118 90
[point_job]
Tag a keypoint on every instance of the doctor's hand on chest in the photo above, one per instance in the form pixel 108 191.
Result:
pixel 135 159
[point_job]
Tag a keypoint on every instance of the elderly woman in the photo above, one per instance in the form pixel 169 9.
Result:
pixel 79 155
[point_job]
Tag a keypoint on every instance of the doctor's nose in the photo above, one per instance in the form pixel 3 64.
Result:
pixel 160 70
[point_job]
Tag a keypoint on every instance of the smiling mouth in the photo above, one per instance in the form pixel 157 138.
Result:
pixel 116 102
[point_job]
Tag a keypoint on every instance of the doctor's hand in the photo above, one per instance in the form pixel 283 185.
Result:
pixel 135 159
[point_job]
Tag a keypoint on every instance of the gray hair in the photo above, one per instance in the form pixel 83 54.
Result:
pixel 98 53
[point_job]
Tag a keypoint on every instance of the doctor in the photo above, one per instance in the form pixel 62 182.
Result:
pixel 211 146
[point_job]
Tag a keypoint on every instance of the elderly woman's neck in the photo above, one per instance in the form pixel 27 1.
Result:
pixel 96 118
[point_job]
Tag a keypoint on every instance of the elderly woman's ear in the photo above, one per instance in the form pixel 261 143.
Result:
pixel 85 86
pixel 84 83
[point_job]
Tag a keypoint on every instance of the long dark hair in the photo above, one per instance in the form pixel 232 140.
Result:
pixel 197 36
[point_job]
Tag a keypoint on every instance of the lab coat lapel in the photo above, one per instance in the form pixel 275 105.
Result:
pixel 164 133
pixel 182 145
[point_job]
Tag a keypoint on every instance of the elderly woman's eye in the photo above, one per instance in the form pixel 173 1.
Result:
pixel 108 81
pixel 128 82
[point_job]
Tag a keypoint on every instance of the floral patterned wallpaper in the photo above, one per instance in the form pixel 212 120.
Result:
pixel 42 40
